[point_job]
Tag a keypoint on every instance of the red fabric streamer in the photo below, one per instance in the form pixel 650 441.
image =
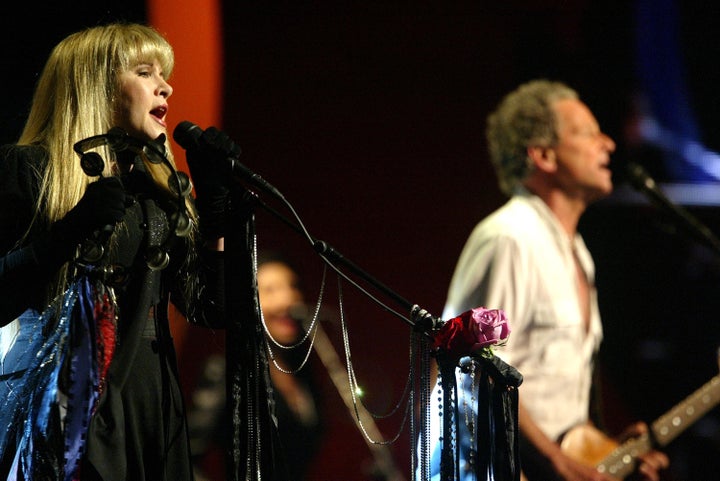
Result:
pixel 106 336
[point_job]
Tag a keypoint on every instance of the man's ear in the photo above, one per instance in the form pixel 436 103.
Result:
pixel 543 158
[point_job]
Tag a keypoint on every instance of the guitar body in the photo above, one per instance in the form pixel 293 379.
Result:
pixel 587 444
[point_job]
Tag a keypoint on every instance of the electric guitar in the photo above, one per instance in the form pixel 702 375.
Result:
pixel 591 447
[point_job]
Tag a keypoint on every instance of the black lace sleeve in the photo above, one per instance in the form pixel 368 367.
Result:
pixel 208 307
pixel 206 302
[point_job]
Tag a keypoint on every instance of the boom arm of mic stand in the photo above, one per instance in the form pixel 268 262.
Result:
pixel 642 182
pixel 701 232
pixel 421 320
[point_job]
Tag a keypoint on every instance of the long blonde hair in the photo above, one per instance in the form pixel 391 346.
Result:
pixel 74 100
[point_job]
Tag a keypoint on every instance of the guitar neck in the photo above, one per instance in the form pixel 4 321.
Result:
pixel 679 418
pixel 621 462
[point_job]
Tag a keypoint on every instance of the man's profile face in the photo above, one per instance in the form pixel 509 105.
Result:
pixel 582 152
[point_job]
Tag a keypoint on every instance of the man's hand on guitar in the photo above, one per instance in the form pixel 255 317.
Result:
pixel 650 463
pixel 630 453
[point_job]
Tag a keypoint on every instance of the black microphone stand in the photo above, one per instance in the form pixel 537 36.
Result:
pixel 252 446
pixel 420 319
pixel 251 441
pixel 642 182
pixel 248 376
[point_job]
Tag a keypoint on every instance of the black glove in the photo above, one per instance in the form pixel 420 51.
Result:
pixel 210 171
pixel 103 204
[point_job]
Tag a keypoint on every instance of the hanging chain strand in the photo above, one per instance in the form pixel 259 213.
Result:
pixel 414 341
pixel 254 462
pixel 419 433
pixel 353 386
pixel 310 333
pixel 425 394
pixel 313 323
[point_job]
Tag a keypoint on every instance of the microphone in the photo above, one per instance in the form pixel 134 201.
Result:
pixel 187 135
pixel 641 181
pixel 301 313
pixel 305 314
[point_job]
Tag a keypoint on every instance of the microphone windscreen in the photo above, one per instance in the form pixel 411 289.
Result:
pixel 187 135
pixel 638 177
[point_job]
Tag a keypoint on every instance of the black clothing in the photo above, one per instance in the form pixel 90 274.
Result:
pixel 138 431
pixel 298 440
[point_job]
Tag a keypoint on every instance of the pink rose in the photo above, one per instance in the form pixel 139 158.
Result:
pixel 489 326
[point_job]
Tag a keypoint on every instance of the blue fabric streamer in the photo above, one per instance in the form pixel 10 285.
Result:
pixel 82 387
pixel 25 416
pixel 29 410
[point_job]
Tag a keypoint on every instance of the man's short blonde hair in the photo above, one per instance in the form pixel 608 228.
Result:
pixel 524 118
